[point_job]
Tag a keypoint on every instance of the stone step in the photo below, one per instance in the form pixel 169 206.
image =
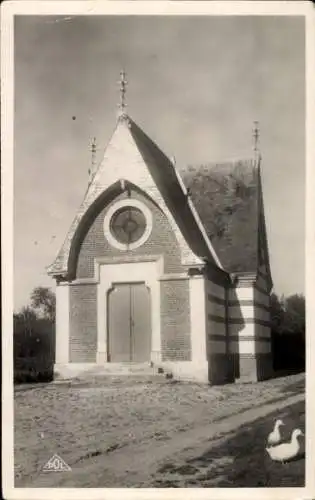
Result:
pixel 110 370
pixel 124 367
pixel 121 369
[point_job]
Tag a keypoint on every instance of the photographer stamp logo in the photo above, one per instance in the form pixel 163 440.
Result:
pixel 56 464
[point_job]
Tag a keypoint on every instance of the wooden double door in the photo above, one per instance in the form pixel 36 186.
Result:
pixel 129 323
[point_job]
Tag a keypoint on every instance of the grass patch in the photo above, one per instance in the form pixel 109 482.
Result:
pixel 241 460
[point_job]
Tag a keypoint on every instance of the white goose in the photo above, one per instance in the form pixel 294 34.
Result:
pixel 286 451
pixel 275 436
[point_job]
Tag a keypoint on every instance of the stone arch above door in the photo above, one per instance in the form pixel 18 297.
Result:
pixel 98 240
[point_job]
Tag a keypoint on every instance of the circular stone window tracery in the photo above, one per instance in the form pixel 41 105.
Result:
pixel 127 224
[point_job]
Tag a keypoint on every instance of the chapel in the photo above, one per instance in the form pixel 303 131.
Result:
pixel 165 266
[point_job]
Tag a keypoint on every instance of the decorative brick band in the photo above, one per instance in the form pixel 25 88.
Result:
pixel 164 277
pixel 238 321
pixel 174 277
pixel 248 302
pixel 248 321
pixel 254 338
pixel 83 281
pixel 249 355
pixel 216 337
pixel 243 280
pixel 216 319
pixel 216 300
pixel 261 290
pixel 122 259
pixel 241 338
pixel 126 259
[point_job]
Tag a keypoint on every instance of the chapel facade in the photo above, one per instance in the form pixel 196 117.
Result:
pixel 166 267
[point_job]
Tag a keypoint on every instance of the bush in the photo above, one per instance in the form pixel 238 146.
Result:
pixel 288 352
pixel 288 332
pixel 34 349
pixel 32 370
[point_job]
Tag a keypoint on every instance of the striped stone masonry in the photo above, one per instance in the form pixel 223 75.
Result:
pixel 220 367
pixel 249 328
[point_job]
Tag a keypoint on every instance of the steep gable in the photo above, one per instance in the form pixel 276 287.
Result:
pixel 132 157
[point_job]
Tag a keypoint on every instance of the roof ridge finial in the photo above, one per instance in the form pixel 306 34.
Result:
pixel 256 140
pixel 93 150
pixel 122 103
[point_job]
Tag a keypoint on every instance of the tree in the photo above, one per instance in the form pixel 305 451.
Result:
pixel 43 300
pixel 294 318
pixel 287 314
pixel 26 315
pixel 276 313
pixel 288 332
pixel 296 303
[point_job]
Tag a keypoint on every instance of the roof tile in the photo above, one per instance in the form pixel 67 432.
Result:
pixel 226 198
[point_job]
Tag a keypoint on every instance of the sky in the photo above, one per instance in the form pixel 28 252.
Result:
pixel 195 85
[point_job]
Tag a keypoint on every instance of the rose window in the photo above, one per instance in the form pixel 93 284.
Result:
pixel 128 225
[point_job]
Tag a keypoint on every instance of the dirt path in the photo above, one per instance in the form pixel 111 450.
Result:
pixel 133 465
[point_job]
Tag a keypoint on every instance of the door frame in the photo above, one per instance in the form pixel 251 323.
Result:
pixel 107 301
pixel 147 272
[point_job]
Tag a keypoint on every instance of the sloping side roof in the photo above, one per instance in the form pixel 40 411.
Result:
pixel 263 251
pixel 226 197
pixel 166 179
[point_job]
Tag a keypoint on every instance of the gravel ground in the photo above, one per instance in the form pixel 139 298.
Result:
pixel 89 424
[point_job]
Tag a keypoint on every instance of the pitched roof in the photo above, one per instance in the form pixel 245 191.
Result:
pixel 173 190
pixel 220 217
pixel 169 185
pixel 226 197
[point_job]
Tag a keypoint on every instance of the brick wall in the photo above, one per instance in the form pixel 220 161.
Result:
pixel 161 241
pixel 215 313
pixel 255 367
pixel 221 368
pixel 175 320
pixel 175 311
pixel 83 324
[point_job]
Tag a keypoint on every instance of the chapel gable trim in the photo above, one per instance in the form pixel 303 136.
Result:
pixel 167 193
pixel 263 267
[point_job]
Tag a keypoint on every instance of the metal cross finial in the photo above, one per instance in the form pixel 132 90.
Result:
pixel 93 155
pixel 256 136
pixel 123 84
